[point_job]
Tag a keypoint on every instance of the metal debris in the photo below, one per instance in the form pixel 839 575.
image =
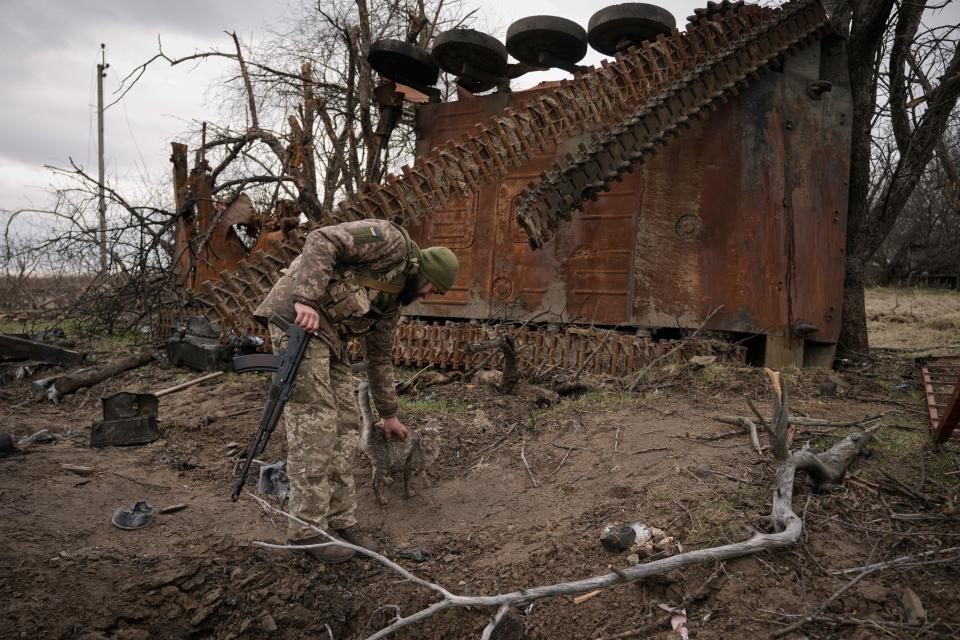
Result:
pixel 40 437
pixel 648 92
pixel 941 381
pixel 128 419
pixel 273 480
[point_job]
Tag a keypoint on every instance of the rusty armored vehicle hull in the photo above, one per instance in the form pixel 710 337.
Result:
pixel 741 219
pixel 696 182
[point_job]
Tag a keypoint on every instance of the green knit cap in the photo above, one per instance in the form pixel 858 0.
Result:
pixel 439 265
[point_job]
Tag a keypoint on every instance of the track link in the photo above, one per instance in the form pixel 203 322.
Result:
pixel 752 42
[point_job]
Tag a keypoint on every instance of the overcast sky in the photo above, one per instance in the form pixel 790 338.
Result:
pixel 49 50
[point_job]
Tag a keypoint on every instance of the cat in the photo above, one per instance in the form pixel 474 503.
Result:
pixel 416 453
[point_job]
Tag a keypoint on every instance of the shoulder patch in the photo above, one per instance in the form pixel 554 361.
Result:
pixel 367 234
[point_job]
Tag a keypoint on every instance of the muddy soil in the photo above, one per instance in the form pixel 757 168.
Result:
pixel 478 524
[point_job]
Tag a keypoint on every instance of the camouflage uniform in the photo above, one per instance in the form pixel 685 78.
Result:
pixel 337 274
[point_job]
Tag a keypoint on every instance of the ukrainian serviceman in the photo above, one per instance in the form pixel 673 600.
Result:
pixel 350 280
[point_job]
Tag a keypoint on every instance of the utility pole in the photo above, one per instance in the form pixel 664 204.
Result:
pixel 101 73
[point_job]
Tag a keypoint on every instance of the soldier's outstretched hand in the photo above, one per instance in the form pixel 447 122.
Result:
pixel 393 426
pixel 307 317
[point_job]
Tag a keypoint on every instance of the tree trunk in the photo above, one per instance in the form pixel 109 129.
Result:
pixel 853 328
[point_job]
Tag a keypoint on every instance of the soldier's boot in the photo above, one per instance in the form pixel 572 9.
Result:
pixel 353 536
pixel 330 555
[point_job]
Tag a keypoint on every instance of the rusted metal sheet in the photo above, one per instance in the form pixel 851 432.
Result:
pixel 206 242
pixel 717 220
pixel 745 211
pixel 941 382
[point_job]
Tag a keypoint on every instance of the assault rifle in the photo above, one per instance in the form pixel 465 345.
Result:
pixel 285 365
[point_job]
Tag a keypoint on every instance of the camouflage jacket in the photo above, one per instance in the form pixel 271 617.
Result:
pixel 330 275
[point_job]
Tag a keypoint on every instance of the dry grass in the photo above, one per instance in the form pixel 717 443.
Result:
pixel 913 318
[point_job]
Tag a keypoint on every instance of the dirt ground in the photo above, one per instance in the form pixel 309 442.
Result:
pixel 480 526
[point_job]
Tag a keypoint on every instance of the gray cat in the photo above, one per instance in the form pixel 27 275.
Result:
pixel 416 453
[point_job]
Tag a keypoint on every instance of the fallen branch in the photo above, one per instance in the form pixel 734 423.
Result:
pixel 876 624
pixel 633 453
pixel 757 413
pixel 785 524
pixel 902 560
pixel 527 466
pixel 188 384
pixel 56 388
pixel 795 421
pixel 747 424
pixel 904 489
pixel 565 456
pixel 17 348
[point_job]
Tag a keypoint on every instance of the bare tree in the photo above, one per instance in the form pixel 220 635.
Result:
pixel 300 126
pixel 922 245
pixel 302 118
pixel 136 286
pixel 892 55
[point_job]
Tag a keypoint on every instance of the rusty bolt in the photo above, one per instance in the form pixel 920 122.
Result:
pixel 688 226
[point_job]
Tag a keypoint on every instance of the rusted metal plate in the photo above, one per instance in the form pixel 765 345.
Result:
pixel 941 382
pixel 205 240
pixel 745 210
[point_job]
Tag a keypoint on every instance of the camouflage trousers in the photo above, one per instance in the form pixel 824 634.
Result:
pixel 323 429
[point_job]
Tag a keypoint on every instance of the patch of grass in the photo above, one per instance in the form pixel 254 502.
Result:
pixel 946 323
pixel 925 317
pixel 716 522
pixel 602 398
pixel 717 379
pixel 898 451
pixel 32 325
pixel 660 493
pixel 596 399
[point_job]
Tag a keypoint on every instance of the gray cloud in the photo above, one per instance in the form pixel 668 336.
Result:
pixel 48 54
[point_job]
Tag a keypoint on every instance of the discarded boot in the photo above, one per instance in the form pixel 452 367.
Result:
pixel 353 536
pixel 139 515
pixel 330 555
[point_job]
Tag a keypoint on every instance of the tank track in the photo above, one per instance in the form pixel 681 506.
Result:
pixel 752 40
pixel 540 349
pixel 645 95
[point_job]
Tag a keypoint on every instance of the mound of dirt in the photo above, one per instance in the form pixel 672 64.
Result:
pixel 481 522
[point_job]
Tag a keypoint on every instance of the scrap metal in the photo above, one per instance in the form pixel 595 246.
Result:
pixel 941 382
pixel 632 105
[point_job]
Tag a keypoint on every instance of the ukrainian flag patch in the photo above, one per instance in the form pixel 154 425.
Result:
pixel 367 234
